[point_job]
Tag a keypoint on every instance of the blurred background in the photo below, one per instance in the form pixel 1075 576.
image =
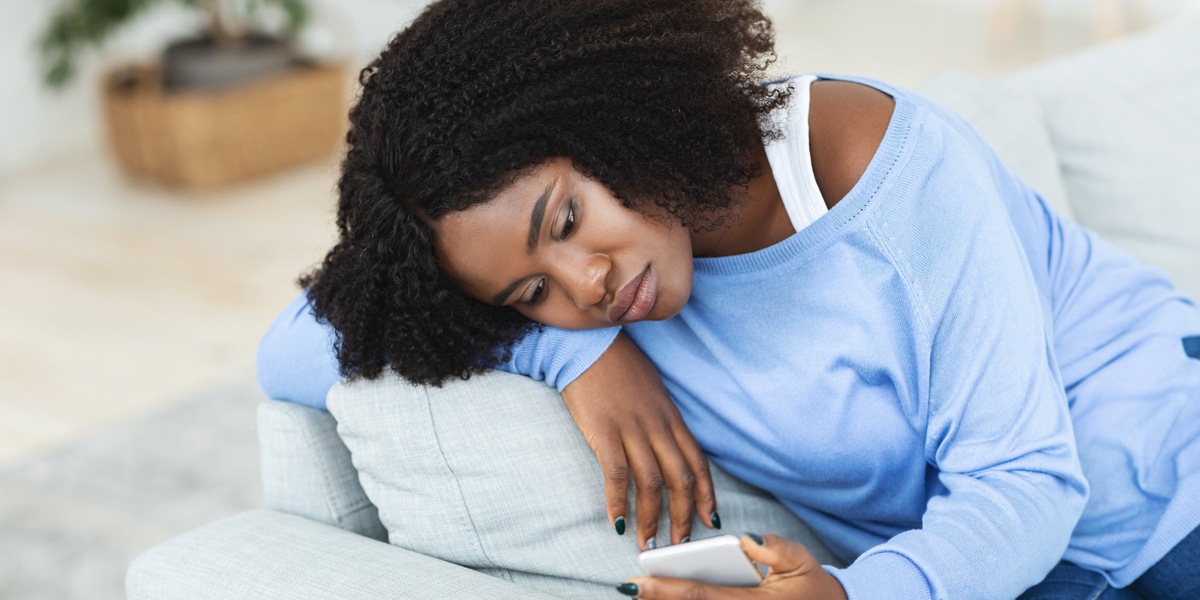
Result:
pixel 154 215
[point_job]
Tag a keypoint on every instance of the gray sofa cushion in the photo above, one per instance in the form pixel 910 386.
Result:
pixel 306 469
pixel 1125 120
pixel 493 474
pixel 1108 136
pixel 266 555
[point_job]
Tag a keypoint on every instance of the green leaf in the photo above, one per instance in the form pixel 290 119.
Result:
pixel 76 25
pixel 296 11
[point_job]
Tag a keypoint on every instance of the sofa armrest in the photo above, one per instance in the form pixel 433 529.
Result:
pixel 263 554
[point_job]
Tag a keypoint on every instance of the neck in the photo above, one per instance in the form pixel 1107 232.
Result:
pixel 762 222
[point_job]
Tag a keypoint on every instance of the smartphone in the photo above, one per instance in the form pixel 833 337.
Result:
pixel 716 560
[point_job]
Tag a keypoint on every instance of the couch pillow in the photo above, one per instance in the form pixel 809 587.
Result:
pixel 492 473
pixel 1125 120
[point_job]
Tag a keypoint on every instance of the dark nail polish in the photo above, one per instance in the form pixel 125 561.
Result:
pixel 757 538
pixel 686 540
pixel 629 589
pixel 715 519
pixel 619 525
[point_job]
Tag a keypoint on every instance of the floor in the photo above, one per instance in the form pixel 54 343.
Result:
pixel 120 298
pixel 73 520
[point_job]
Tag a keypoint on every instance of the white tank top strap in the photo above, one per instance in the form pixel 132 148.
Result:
pixel 791 160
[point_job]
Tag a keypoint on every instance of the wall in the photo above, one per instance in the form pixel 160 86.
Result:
pixel 39 127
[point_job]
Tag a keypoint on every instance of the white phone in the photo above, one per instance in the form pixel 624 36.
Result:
pixel 716 560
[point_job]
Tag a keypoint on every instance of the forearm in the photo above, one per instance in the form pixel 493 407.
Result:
pixel 296 361
pixel 990 537
pixel 558 356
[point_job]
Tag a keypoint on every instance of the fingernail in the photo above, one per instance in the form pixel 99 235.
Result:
pixel 715 519
pixel 629 589
pixel 619 525
pixel 686 540
pixel 757 538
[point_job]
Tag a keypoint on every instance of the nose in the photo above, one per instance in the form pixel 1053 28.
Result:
pixel 586 280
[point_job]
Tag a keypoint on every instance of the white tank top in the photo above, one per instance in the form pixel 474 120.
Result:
pixel 791 161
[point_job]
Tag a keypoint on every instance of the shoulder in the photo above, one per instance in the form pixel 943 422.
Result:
pixel 847 122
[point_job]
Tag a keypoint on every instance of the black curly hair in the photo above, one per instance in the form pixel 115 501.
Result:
pixel 656 99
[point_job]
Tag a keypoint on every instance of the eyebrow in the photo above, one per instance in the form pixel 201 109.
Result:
pixel 535 231
pixel 535 219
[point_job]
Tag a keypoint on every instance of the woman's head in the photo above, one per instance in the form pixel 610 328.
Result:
pixel 638 116
pixel 557 247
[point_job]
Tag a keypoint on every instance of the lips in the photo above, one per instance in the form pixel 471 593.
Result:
pixel 635 299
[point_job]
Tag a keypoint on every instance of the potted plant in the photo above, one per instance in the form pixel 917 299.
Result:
pixel 230 103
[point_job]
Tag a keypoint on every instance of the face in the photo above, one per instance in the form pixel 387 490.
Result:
pixel 560 249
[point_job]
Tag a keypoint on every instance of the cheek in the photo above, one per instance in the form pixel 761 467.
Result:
pixel 676 276
pixel 674 294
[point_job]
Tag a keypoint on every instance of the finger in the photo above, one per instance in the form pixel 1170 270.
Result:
pixel 781 555
pixel 681 485
pixel 662 588
pixel 649 481
pixel 611 454
pixel 704 494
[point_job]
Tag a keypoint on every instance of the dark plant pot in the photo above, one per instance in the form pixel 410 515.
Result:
pixel 205 64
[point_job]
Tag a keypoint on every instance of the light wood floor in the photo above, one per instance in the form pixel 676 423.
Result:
pixel 118 298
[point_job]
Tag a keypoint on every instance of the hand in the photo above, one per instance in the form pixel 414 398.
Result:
pixel 628 419
pixel 794 575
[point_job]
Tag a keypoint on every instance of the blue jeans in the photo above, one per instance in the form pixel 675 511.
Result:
pixel 1175 577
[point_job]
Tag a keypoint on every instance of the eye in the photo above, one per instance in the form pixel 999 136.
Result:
pixel 568 223
pixel 537 292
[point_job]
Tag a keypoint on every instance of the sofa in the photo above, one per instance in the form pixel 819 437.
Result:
pixel 485 488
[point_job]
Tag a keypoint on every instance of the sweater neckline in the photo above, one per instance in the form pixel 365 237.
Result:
pixel 811 240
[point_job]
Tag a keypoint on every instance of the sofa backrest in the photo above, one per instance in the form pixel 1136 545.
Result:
pixel 1108 136
pixel 306 469
pixel 1125 120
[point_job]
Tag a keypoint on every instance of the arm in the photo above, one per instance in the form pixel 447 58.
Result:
pixel 1009 486
pixel 296 360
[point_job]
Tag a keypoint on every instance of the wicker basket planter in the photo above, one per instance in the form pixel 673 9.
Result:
pixel 211 138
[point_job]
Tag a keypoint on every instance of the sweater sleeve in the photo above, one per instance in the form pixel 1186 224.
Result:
pixel 1009 487
pixel 296 359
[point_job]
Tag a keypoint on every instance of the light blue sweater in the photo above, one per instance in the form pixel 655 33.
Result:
pixel 931 375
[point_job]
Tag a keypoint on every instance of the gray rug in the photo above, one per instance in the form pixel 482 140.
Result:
pixel 71 521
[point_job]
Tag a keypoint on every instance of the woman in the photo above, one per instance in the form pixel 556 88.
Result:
pixel 851 302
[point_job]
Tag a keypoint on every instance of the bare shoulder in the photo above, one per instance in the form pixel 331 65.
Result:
pixel 847 122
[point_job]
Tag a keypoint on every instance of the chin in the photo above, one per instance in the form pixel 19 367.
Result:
pixel 669 302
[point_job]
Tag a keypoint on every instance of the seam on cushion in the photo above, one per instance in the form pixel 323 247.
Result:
pixel 325 480
pixel 339 514
pixel 350 507
pixel 457 485
pixel 359 509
